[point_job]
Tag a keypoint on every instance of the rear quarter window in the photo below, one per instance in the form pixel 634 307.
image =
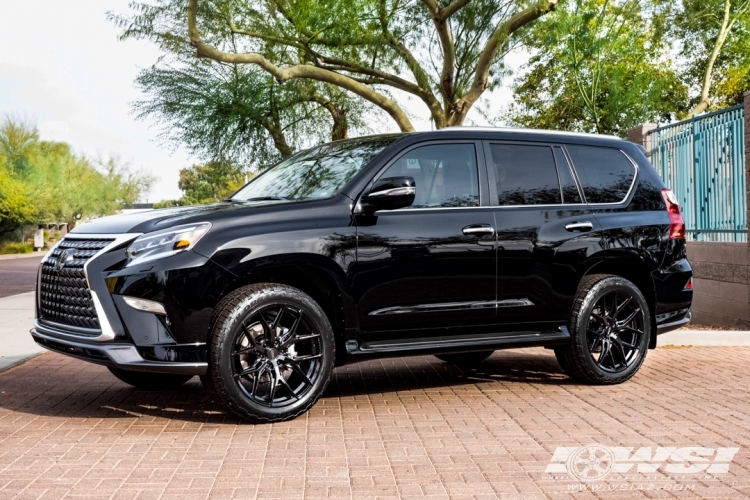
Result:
pixel 605 174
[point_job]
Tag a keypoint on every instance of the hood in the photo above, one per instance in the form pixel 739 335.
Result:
pixel 153 220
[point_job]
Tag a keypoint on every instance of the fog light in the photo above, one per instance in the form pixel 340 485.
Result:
pixel 145 305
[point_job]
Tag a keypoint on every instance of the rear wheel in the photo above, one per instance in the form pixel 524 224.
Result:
pixel 610 329
pixel 465 358
pixel 271 353
pixel 150 381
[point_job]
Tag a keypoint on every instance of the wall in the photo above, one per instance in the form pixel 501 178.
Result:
pixel 720 283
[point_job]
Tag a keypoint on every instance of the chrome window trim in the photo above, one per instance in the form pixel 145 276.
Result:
pixel 632 184
pixel 107 333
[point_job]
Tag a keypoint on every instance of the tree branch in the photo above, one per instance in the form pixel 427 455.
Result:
pixel 498 37
pixel 707 76
pixel 296 71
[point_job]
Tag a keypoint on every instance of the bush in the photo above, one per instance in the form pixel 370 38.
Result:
pixel 11 248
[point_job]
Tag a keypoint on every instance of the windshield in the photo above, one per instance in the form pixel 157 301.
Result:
pixel 317 173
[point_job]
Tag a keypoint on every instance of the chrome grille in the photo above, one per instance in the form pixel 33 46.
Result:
pixel 64 296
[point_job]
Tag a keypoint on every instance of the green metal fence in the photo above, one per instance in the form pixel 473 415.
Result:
pixel 703 161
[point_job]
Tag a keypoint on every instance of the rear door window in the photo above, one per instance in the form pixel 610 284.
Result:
pixel 606 174
pixel 525 175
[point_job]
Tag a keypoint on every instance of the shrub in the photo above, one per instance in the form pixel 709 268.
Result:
pixel 11 248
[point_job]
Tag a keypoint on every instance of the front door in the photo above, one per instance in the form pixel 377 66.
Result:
pixel 428 269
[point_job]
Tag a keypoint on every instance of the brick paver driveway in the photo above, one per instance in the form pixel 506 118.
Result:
pixel 408 427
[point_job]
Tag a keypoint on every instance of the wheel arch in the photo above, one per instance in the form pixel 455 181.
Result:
pixel 315 275
pixel 633 268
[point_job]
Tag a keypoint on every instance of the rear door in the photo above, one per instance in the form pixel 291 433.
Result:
pixel 429 268
pixel 543 227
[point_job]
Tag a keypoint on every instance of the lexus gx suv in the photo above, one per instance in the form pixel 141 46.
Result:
pixel 452 243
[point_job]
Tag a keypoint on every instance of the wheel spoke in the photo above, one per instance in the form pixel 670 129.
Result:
pixel 245 350
pixel 268 333
pixel 296 368
pixel 595 344
pixel 254 390
pixel 257 367
pixel 273 376
pixel 291 336
pixel 618 348
pixel 630 318
pixel 613 311
pixel 622 306
pixel 288 387
pixel 630 329
pixel 606 350
pixel 299 359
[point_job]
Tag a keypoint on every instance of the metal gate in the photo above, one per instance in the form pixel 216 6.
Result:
pixel 703 161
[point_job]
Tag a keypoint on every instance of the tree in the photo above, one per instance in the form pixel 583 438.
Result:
pixel 715 36
pixel 225 111
pixel 598 66
pixel 44 181
pixel 445 55
pixel 209 183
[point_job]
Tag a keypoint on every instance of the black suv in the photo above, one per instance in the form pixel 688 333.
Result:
pixel 453 243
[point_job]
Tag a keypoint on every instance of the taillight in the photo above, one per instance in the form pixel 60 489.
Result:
pixel 689 285
pixel 676 222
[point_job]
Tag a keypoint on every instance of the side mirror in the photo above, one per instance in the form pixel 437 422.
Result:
pixel 390 193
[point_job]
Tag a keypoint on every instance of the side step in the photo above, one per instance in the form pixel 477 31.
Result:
pixel 458 343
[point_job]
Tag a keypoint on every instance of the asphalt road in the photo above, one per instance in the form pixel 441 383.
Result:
pixel 18 275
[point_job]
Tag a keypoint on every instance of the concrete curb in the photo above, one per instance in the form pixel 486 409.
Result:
pixel 22 255
pixel 705 338
pixel 13 361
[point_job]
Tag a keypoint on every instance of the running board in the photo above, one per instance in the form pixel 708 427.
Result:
pixel 463 342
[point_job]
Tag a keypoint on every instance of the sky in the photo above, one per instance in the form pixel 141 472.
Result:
pixel 64 69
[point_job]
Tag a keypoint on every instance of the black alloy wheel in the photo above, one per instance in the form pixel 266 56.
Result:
pixel 277 355
pixel 615 331
pixel 270 354
pixel 610 329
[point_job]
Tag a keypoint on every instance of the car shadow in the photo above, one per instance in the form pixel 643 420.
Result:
pixel 95 393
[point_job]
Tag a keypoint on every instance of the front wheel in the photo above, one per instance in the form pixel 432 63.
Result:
pixel 271 353
pixel 609 328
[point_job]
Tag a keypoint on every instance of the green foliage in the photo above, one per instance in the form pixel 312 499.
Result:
pixel 15 248
pixel 696 27
pixel 220 111
pixel 442 54
pixel 42 181
pixel 598 66
pixel 214 181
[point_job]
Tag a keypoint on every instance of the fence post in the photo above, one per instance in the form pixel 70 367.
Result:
pixel 747 159
pixel 639 135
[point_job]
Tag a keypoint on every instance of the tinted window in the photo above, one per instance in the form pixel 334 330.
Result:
pixel 526 175
pixel 313 174
pixel 605 173
pixel 445 175
pixel 567 184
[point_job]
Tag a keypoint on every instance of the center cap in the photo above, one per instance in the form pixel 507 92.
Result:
pixel 272 353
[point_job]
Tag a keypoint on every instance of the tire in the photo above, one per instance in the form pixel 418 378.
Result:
pixel 610 328
pixel 465 358
pixel 150 381
pixel 271 353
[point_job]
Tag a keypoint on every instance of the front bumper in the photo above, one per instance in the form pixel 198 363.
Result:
pixel 673 325
pixel 118 355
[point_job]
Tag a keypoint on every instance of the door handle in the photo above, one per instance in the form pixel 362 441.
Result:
pixel 478 230
pixel 580 226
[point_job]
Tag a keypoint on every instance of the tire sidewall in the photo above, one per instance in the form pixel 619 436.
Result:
pixel 580 323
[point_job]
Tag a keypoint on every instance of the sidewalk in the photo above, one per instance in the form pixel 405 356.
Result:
pixel 16 317
pixel 22 255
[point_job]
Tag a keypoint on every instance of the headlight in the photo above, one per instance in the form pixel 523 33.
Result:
pixel 165 243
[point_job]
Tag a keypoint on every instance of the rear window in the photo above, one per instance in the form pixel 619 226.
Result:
pixel 526 175
pixel 605 174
